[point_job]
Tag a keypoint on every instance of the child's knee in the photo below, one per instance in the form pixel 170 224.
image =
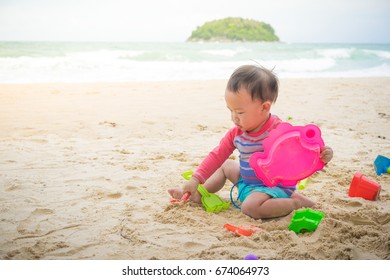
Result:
pixel 302 201
pixel 252 210
pixel 229 165
pixel 231 170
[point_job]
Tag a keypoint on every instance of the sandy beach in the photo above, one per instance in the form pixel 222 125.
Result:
pixel 85 168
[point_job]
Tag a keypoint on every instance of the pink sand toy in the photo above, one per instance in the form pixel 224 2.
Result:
pixel 363 187
pixel 291 153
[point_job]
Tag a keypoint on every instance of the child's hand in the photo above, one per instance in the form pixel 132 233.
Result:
pixel 326 154
pixel 192 187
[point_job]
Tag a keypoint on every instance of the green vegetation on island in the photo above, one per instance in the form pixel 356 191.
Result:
pixel 234 29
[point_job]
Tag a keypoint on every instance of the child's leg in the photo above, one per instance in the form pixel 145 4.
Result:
pixel 261 206
pixel 229 170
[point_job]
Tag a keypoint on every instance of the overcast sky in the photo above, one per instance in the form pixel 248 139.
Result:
pixel 354 21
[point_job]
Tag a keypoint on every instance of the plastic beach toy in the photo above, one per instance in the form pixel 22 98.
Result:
pixel 243 230
pixel 363 187
pixel 291 153
pixel 210 201
pixel 251 257
pixel 382 165
pixel 302 184
pixel 187 175
pixel 184 198
pixel 305 220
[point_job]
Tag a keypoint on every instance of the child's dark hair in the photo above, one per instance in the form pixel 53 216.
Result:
pixel 260 82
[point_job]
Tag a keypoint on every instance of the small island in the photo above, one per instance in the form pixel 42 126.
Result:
pixel 234 29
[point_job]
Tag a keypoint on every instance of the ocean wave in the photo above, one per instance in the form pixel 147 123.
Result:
pixel 382 70
pixel 302 65
pixel 103 55
pixel 184 61
pixel 379 53
pixel 225 52
pixel 336 52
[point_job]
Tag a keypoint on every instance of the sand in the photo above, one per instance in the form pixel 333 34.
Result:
pixel 84 170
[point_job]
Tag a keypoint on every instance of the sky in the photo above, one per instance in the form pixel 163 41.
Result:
pixel 295 21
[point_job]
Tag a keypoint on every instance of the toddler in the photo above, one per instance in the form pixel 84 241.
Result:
pixel 250 93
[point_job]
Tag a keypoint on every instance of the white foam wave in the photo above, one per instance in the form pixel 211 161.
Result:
pixel 147 63
pixel 225 52
pixel 378 53
pixel 103 55
pixel 41 70
pixel 300 65
pixel 377 71
pixel 335 53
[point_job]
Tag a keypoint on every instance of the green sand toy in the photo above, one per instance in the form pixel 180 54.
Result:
pixel 210 201
pixel 305 220
pixel 302 184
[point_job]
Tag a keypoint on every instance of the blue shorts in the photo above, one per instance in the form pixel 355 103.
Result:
pixel 245 190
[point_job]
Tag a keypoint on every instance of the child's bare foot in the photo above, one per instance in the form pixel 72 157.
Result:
pixel 301 201
pixel 177 193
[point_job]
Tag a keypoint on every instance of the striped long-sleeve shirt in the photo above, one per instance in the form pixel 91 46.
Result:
pixel 246 143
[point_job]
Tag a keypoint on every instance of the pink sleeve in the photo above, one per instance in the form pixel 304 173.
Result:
pixel 217 156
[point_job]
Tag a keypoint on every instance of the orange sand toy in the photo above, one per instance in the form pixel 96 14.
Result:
pixel 243 230
pixel 363 187
pixel 184 198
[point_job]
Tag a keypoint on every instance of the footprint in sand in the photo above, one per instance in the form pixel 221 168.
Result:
pixel 357 219
pixel 114 195
pixel 354 203
pixel 192 245
pixel 36 251
pixel 201 127
pixel 123 151
pixel 55 91
pixel 36 223
pixel 383 218
pixel 384 115
pixel 12 187
pixel 157 157
pixel 179 157
pixel 99 195
pixel 131 188
pixel 109 124
pixel 127 231
pixel 137 167
pixel 348 202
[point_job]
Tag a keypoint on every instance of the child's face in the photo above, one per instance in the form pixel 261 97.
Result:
pixel 248 114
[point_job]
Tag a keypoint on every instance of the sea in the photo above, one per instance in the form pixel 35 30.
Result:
pixel 68 62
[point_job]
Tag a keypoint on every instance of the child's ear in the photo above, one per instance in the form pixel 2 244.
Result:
pixel 266 106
